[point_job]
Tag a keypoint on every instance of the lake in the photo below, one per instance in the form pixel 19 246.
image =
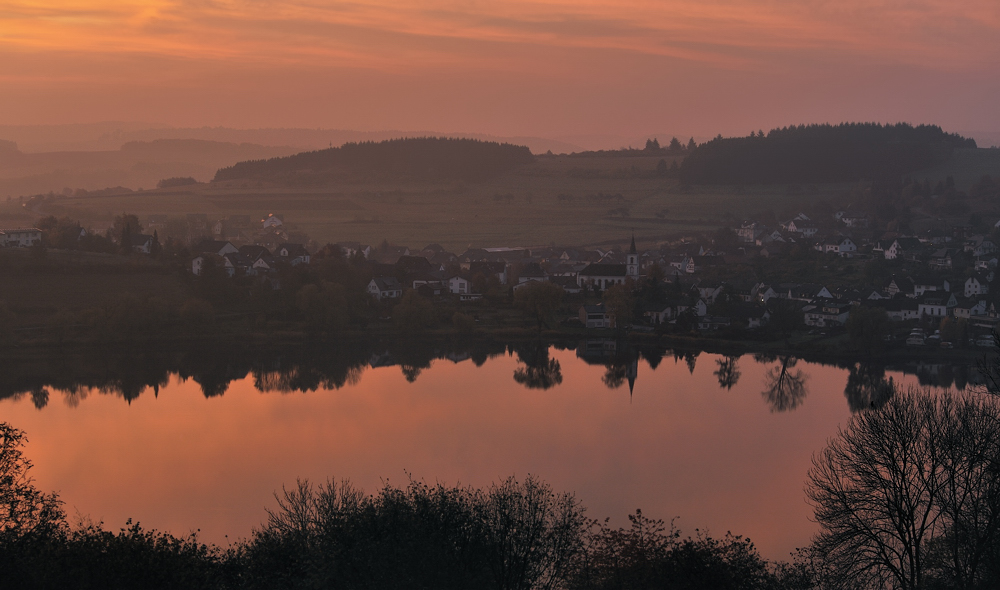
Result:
pixel 721 443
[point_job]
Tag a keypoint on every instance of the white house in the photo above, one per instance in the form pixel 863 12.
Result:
pixel 459 285
pixel 595 316
pixel 20 238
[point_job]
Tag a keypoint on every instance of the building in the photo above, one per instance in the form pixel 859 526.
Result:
pixel 20 238
pixel 595 316
pixel 385 288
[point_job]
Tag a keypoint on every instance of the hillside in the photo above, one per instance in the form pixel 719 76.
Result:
pixel 418 159
pixel 821 154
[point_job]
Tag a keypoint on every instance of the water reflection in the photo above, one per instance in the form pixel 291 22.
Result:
pixel 331 366
pixel 538 370
pixel 728 372
pixel 784 385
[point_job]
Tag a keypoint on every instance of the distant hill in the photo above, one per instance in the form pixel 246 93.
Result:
pixel 821 153
pixel 134 165
pixel 427 159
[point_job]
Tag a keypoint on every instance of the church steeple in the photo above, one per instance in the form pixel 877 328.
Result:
pixel 632 261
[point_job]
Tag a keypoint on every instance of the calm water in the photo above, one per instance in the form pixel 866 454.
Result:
pixel 723 443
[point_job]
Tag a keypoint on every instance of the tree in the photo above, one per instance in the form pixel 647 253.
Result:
pixel 908 496
pixel 539 371
pixel 539 299
pixel 652 145
pixel 675 145
pixel 661 167
pixel 413 312
pixel 324 306
pixel 867 328
pixel 24 510
pixel 691 145
pixel 620 305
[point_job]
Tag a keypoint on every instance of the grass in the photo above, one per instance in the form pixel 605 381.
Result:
pixel 560 200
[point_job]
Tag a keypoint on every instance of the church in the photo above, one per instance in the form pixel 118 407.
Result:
pixel 602 276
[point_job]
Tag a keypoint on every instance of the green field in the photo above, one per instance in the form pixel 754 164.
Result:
pixel 563 200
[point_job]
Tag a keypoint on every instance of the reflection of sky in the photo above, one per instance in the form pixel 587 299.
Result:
pixel 720 460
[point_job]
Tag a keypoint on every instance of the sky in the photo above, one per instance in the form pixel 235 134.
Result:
pixel 554 68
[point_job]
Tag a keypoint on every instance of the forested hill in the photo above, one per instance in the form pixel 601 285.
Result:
pixel 427 158
pixel 821 153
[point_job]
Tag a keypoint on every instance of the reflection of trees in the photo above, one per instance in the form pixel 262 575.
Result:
pixel 614 375
pixel 728 372
pixel 867 387
pixel 411 372
pixel 539 371
pixel 784 389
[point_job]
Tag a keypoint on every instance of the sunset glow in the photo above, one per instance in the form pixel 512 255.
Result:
pixel 501 67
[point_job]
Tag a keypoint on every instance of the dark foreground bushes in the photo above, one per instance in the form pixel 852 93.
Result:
pixel 515 535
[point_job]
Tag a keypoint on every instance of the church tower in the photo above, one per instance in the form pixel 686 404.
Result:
pixel 632 262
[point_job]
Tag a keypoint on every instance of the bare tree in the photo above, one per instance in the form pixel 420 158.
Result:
pixel 909 494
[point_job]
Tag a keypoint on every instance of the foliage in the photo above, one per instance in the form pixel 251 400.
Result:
pixel 515 535
pixel 620 305
pixel 413 312
pixel 647 555
pixel 427 158
pixel 821 153
pixel 867 328
pixel 539 299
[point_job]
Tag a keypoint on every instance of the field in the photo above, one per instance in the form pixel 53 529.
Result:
pixel 564 200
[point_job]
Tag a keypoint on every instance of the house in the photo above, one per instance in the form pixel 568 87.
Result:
pixel 264 264
pixel 487 268
pixel 900 285
pixel 805 291
pixel 529 272
pixel 219 248
pixel 827 314
pixel 942 259
pixel 840 245
pixel 385 288
pixel 980 246
pixel 293 254
pixel 804 227
pixel 932 305
pixel 922 285
pixel 141 243
pixel 238 264
pixel 254 252
pixel 595 316
pixel 21 237
pixel 969 308
pixel 413 264
pixel 567 283
pixel 459 285
pixel 900 308
pixel 977 284
pixel 601 276
pixel 901 248
pixel 272 221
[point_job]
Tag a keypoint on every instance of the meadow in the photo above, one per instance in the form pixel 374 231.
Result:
pixel 558 200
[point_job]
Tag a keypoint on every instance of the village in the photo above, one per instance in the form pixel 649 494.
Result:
pixel 934 288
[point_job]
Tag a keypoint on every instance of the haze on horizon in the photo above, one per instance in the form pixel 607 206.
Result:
pixel 555 68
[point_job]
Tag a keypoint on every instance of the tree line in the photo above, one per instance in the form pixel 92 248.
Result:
pixel 425 158
pixel 821 153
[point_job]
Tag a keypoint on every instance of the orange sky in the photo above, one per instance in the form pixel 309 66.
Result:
pixel 556 67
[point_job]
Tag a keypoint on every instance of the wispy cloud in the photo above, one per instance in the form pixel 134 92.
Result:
pixel 381 34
